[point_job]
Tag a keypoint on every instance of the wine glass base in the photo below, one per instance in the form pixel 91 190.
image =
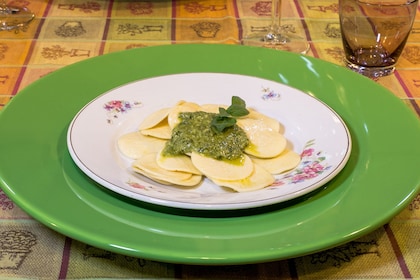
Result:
pixel 278 42
pixel 15 18
pixel 371 72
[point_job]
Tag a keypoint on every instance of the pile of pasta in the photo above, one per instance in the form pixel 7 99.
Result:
pixel 267 154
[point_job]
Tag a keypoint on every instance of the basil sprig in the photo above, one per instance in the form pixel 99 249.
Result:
pixel 227 117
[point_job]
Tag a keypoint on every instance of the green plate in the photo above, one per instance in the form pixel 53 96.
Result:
pixel 379 180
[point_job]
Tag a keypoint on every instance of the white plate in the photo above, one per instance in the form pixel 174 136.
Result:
pixel 314 130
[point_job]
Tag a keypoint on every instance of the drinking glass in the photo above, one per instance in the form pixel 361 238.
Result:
pixel 13 17
pixel 374 33
pixel 278 36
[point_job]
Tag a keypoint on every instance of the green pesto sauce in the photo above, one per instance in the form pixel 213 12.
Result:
pixel 194 134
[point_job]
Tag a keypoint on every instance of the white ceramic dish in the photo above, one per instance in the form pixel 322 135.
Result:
pixel 314 130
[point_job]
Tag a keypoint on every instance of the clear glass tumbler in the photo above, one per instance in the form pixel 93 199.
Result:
pixel 374 33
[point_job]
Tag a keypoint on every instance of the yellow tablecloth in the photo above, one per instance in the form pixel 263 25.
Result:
pixel 68 31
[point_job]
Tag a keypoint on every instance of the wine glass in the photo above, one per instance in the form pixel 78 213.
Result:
pixel 276 35
pixel 13 17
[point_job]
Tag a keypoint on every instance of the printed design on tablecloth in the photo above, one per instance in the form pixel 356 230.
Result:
pixel 313 164
pixel 415 204
pixel 15 245
pixel 115 108
pixel 93 252
pixel 141 8
pixel 86 7
pixel 262 8
pixel 4 78
pixel 56 51
pixel 134 46
pixel 72 28
pixel 345 253
pixel 3 49
pixel 5 202
pixel 206 29
pixel 336 52
pixel 135 29
pixel 324 8
pixel 416 82
pixel 19 3
pixel 286 28
pixel 387 12
pixel 412 54
pixel 197 7
pixel 390 25
pixel 332 30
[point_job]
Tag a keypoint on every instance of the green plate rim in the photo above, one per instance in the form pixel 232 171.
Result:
pixel 40 177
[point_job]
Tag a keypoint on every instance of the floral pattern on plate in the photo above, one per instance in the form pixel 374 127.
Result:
pixel 313 164
pixel 114 108
pixel 270 94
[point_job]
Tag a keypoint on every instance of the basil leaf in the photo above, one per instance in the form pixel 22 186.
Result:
pixel 226 117
pixel 237 111
pixel 236 100
pixel 238 107
pixel 223 112
pixel 219 123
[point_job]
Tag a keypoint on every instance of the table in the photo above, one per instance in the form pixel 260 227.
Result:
pixel 68 31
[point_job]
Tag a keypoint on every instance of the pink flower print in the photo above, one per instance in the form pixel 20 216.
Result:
pixel 313 168
pixel 312 165
pixel 308 171
pixel 136 185
pixel 300 177
pixel 277 183
pixel 116 107
pixel 307 152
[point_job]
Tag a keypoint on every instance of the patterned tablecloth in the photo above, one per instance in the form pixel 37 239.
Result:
pixel 68 31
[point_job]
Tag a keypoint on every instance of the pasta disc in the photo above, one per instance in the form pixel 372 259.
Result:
pixel 161 130
pixel 177 163
pixel 135 144
pixel 261 121
pixel 147 165
pixel 194 180
pixel 154 119
pixel 265 143
pixel 287 160
pixel 259 179
pixel 222 169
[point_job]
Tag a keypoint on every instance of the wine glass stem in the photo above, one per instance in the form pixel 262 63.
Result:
pixel 275 31
pixel 276 15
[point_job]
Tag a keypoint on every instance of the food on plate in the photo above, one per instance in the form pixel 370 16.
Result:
pixel 181 106
pixel 147 166
pixel 258 179
pixel 154 119
pixel 285 161
pixel 237 169
pixel 135 144
pixel 181 163
pixel 233 146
